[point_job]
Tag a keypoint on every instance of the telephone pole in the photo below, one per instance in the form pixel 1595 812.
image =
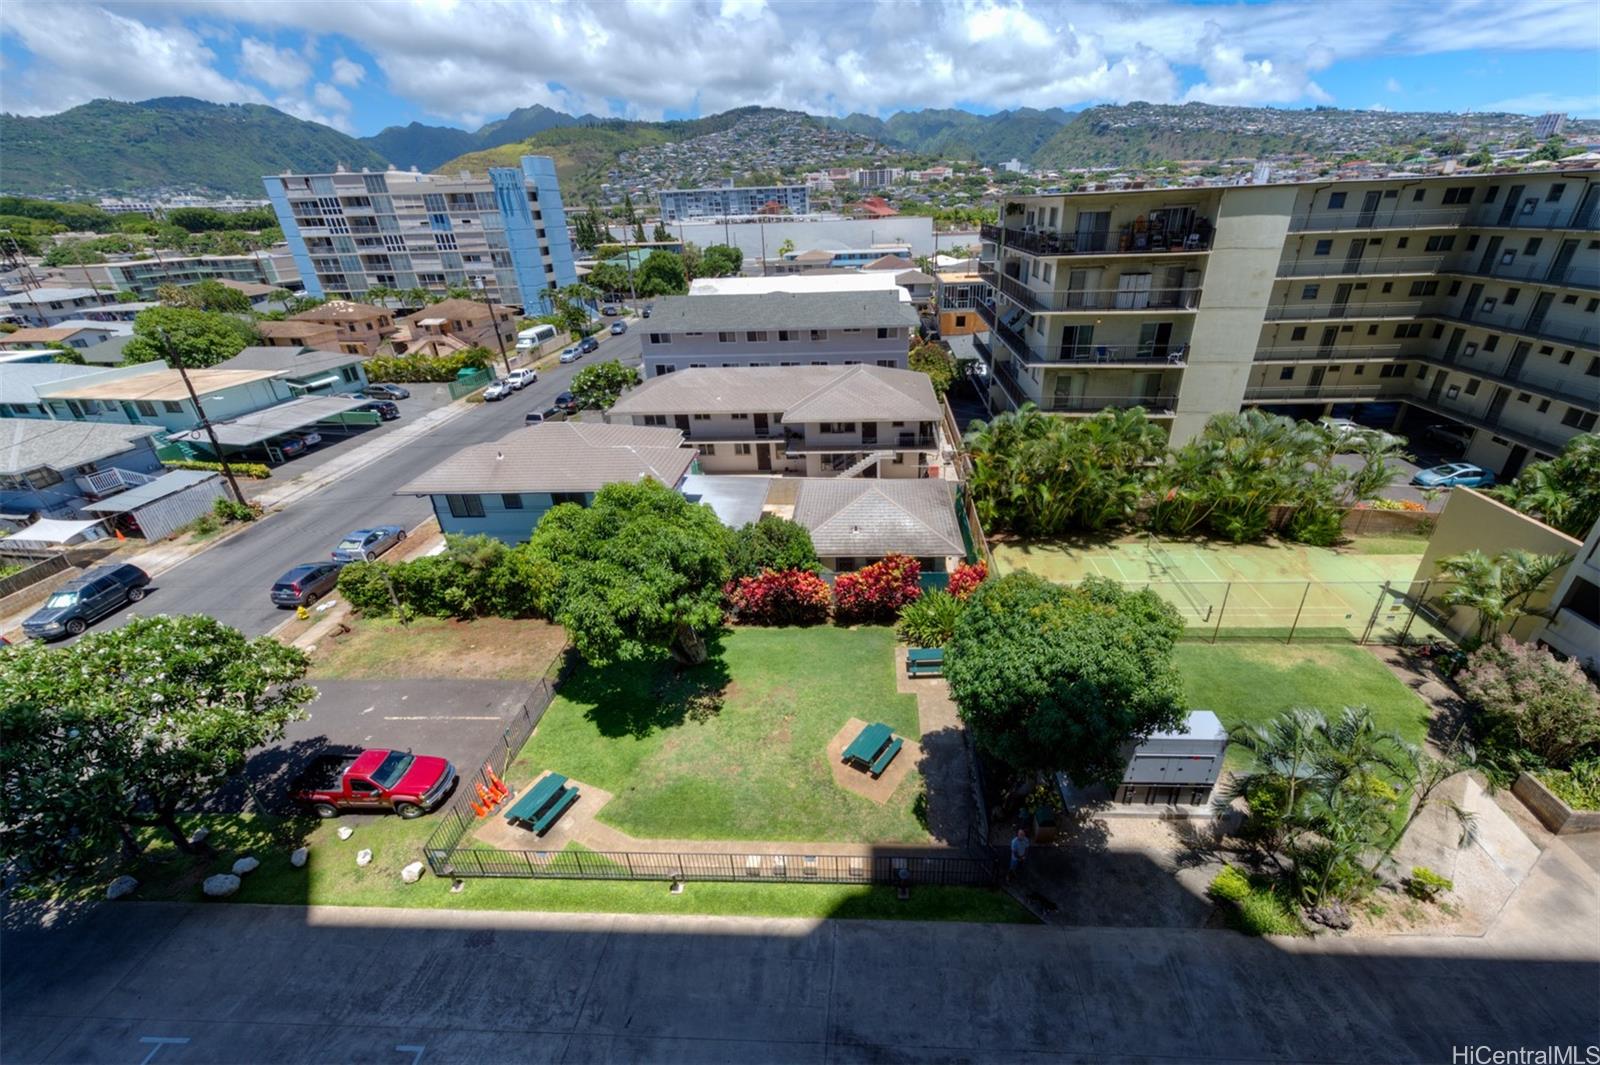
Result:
pixel 205 423
pixel 478 280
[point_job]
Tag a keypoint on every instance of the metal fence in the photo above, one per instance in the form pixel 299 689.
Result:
pixel 34 572
pixel 465 386
pixel 1338 611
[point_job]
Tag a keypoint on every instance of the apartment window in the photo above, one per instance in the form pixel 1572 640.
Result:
pixel 1049 272
pixel 1424 288
pixel 1469 351
pixel 660 338
pixel 1592 306
pixel 886 363
pixel 1324 247
pixel 1440 243
pixel 702 417
pixel 1510 297
pixel 784 335
pixel 1335 201
pixel 1359 370
pixel 1544 405
pixel 1566 356
pixel 145 408
pixel 1388 287
pixel 1408 331
pixel 708 450
pixel 1419 195
pixel 1492 195
pixel 1297 333
pixel 1594 368
pixel 1391 371
pixel 1372 330
pixel 1532 247
pixel 1578 419
pixel 1401 243
pixel 756 336
pixel 740 417
pixel 1286 374
pixel 1455 288
pixel 727 337
pixel 883 332
pixel 741 449
pixel 1458 194
pixel 1309 292
pixel 1472 387
pixel 1491 342
pixel 1554 195
pixel 1422 371
pixel 655 419
pixel 1523 397
pixel 838 427
pixel 464 506
pixel 818 334
pixel 1472 242
pixel 511 501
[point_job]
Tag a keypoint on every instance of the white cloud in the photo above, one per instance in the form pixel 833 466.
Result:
pixel 1540 103
pixel 278 67
pixel 348 72
pixel 1392 86
pixel 1234 78
pixel 329 97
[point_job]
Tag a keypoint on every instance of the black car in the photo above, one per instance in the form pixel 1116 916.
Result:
pixel 567 402
pixel 383 408
pixel 305 584
pixel 388 392
pixel 589 344
pixel 71 607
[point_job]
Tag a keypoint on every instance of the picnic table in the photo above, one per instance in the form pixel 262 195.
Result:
pixel 873 749
pixel 543 804
pixel 924 661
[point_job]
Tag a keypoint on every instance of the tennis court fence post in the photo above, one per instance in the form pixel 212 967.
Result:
pixel 1377 608
pixel 1295 624
pixel 1226 588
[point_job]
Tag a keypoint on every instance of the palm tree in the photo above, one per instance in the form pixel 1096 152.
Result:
pixel 1421 777
pixel 1283 751
pixel 1498 588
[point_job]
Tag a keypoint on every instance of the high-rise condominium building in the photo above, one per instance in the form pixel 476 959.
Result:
pixel 504 235
pixel 680 204
pixel 1464 302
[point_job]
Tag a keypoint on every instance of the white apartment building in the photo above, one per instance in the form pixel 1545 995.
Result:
pixel 145 276
pixel 1464 300
pixel 726 200
pixel 778 329
pixel 52 305
pixel 813 421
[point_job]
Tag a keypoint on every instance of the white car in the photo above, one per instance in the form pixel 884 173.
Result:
pixel 1348 435
pixel 572 354
pixel 520 379
pixel 498 389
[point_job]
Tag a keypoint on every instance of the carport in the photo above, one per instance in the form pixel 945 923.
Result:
pixel 333 413
pixel 164 505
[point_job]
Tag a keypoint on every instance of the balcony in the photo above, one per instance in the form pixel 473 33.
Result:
pixel 1574 276
pixel 1574 636
pixel 1377 266
pixel 1562 215
pixel 1526 325
pixel 1393 388
pixel 1344 353
pixel 1575 388
pixel 1382 218
pixel 104 483
pixel 1082 355
pixel 1158 404
pixel 1099 300
pixel 1319 311
pixel 1004 333
pixel 1194 239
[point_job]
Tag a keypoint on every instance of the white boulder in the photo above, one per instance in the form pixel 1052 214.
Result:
pixel 245 865
pixel 412 873
pixel 121 887
pixel 221 885
pixel 345 832
pixel 364 857
pixel 200 835
pixel 299 856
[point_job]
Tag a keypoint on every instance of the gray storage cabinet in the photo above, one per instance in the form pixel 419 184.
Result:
pixel 1176 768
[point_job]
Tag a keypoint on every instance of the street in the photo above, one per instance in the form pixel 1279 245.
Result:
pixel 230 581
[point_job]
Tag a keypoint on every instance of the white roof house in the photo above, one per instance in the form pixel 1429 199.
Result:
pixel 872 281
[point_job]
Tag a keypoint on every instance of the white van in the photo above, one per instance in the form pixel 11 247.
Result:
pixel 531 338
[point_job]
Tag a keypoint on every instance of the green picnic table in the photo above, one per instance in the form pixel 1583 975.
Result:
pixel 873 748
pixel 543 803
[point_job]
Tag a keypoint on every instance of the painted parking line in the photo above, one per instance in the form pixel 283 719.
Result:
pixel 444 717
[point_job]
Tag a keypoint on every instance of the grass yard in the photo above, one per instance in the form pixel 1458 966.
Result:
pixel 1252 683
pixel 1389 544
pixel 758 769
pixel 485 649
pixel 332 878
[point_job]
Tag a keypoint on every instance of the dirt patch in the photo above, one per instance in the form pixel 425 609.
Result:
pixel 861 783
pixel 485 649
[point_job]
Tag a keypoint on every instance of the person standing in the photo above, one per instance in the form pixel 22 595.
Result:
pixel 1019 850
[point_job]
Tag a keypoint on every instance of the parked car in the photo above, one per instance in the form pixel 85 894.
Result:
pixel 376 779
pixel 290 446
pixel 499 388
pixel 1348 435
pixel 1450 434
pixel 618 328
pixel 364 545
pixel 388 392
pixel 520 379
pixel 572 354
pixel 588 345
pixel 385 409
pixel 645 310
pixel 305 584
pixel 88 598
pixel 1454 475
pixel 567 402
pixel 549 414
pixel 609 310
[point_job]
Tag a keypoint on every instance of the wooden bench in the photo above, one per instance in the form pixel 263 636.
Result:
pixel 881 763
pixel 543 804
pixel 924 661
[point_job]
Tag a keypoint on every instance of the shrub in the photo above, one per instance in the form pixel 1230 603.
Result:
pixel 1253 908
pixel 966 578
pixel 1425 885
pixel 231 510
pixel 205 525
pixel 772 543
pixel 1230 885
pixel 779 597
pixel 1579 786
pixel 1532 705
pixel 254 470
pixel 1317 526
pixel 404 369
pixel 476 576
pixel 931 620
pixel 877 592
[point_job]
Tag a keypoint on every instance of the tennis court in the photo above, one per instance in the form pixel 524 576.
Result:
pixel 1273 590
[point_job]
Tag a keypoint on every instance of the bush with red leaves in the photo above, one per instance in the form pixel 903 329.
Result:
pixel 877 592
pixel 779 597
pixel 965 580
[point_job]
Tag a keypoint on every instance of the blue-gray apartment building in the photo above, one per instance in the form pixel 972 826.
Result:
pixel 504 234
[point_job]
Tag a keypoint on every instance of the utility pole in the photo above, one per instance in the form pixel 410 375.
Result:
pixel 205 423
pixel 477 280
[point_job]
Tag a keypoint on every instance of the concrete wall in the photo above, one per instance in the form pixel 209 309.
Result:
pixel 511 525
pixel 1250 229
pixel 1554 814
pixel 1471 520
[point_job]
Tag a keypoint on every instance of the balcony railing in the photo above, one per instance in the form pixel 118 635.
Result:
pixel 1125 242
pixel 1375 266
pixel 1004 333
pixel 1160 403
pixel 1099 299
pixel 1574 276
pixel 1342 353
pixel 1559 332
pixel 989 231
pixel 1372 309
pixel 1115 354
pixel 1544 216
pixel 1575 388
pixel 1382 218
pixel 110 482
pixel 1394 387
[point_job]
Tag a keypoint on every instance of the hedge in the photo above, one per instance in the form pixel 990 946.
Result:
pixel 241 469
pixel 405 369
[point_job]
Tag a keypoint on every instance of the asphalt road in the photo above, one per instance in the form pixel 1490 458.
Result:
pixel 230 581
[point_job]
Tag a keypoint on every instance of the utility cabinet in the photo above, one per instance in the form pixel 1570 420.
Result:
pixel 1176 768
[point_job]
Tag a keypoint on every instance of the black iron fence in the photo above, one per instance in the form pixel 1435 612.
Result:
pixel 901 869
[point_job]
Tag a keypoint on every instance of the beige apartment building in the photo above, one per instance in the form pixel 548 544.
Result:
pixel 1468 301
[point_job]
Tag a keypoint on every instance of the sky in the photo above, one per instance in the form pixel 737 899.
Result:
pixel 362 65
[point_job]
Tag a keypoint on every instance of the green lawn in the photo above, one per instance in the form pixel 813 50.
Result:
pixel 1390 544
pixel 1252 683
pixel 758 770
pixel 332 878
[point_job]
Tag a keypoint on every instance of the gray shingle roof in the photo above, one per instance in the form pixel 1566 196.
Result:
pixel 560 457
pixel 795 393
pixel 19 382
pixel 851 517
pixel 289 360
pixel 28 443
pixel 780 310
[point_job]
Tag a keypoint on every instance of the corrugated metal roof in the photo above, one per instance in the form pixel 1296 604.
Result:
pixel 287 360
pixel 794 393
pixel 274 421
pixel 780 310
pixel 850 517
pixel 560 457
pixel 167 484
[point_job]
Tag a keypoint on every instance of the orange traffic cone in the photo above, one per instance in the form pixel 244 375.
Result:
pixel 479 810
pixel 496 785
pixel 485 798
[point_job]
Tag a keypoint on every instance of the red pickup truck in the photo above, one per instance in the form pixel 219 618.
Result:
pixel 373 780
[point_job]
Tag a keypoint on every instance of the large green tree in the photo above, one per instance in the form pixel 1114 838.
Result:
pixel 936 361
pixel 662 274
pixel 127 728
pixel 721 260
pixel 571 304
pixel 1051 677
pixel 198 338
pixel 207 295
pixel 602 384
pixel 1563 492
pixel 772 543
pixel 641 569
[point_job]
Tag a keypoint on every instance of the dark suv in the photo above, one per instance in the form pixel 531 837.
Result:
pixel 305 584
pixel 99 592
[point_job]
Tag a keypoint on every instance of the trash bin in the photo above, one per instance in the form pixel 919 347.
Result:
pixel 1044 825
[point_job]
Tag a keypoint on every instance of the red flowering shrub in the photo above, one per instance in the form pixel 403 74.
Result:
pixel 779 597
pixel 877 592
pixel 965 580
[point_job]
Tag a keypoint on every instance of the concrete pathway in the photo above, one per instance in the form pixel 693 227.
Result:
pixel 173 984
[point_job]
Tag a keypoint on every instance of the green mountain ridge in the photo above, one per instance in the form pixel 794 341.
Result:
pixel 106 147
pixel 425 147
